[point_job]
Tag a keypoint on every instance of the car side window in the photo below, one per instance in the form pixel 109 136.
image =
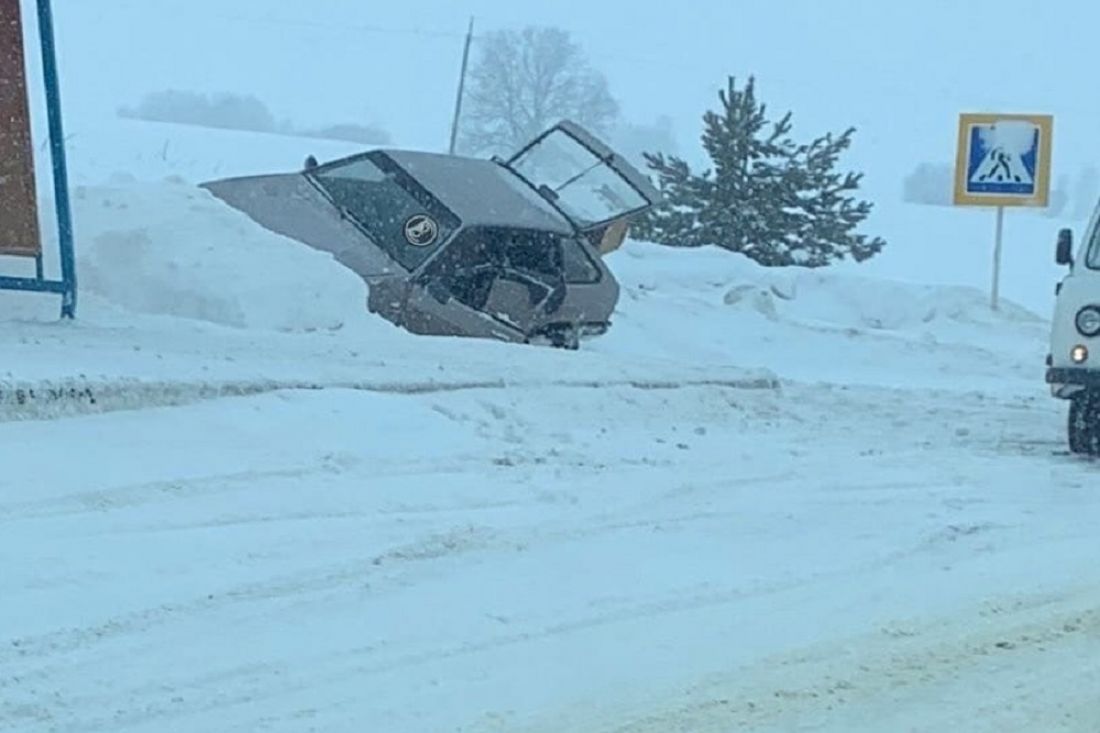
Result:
pixel 536 253
pixel 578 265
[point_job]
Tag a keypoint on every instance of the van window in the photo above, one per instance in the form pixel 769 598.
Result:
pixel 1092 258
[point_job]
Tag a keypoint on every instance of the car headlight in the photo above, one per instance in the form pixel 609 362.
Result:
pixel 1088 321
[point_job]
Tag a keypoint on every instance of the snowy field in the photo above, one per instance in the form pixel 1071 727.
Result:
pixel 765 501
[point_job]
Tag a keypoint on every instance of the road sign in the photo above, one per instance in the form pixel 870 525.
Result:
pixel 17 201
pixel 19 233
pixel 1003 160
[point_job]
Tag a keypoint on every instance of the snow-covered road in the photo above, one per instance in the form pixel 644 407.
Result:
pixel 633 560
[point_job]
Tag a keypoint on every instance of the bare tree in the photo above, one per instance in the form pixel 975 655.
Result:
pixel 524 81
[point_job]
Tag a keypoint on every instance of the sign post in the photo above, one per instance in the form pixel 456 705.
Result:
pixel 19 225
pixel 1003 160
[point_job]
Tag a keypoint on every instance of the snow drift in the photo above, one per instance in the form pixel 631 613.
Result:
pixel 808 296
pixel 172 249
pixel 712 306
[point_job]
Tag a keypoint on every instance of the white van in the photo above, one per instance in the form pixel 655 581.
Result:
pixel 1073 366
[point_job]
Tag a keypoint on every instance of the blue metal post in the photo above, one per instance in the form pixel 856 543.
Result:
pixel 57 153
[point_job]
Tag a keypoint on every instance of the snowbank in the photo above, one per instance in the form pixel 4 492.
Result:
pixel 712 306
pixel 183 297
pixel 809 296
pixel 173 253
pixel 173 249
pixel 954 245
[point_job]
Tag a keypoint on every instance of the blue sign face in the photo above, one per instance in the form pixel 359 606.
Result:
pixel 1003 159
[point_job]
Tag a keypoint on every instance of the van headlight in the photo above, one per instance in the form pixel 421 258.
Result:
pixel 1088 321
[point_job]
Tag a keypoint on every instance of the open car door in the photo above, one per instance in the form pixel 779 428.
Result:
pixel 592 185
pixel 493 281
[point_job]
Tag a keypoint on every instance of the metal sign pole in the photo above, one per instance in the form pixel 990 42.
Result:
pixel 997 257
pixel 1003 160
pixel 57 154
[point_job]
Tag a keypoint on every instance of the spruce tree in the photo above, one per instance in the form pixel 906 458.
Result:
pixel 776 201
pixel 676 221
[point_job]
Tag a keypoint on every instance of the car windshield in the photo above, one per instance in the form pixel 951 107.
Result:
pixel 389 207
pixel 583 185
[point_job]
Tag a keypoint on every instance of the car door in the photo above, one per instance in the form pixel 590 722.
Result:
pixel 516 301
pixel 583 178
pixel 460 292
pixel 430 309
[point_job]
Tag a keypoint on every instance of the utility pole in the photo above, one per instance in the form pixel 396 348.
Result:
pixel 461 87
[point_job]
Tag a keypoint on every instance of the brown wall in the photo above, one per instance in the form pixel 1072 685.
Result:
pixel 18 210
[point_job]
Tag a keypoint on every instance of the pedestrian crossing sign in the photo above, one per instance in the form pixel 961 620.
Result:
pixel 1003 160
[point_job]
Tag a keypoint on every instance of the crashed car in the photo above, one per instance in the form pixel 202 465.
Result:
pixel 455 246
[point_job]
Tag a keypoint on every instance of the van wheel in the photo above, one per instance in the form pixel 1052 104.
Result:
pixel 1084 423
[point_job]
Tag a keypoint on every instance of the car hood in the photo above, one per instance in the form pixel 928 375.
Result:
pixel 288 204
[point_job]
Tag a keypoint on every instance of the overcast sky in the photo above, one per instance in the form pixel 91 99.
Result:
pixel 900 71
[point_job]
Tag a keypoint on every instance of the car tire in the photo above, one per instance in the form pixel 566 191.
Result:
pixel 1084 424
pixel 566 338
pixel 562 336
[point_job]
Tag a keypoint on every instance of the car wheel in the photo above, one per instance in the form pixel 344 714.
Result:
pixel 562 336
pixel 1084 424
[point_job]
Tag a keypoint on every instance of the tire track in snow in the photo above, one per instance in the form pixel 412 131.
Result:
pixel 434 545
pixel 881 681
pixel 149 492
pixel 259 682
pixel 55 649
pixel 144 493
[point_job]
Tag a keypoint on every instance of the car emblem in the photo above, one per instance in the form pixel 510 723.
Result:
pixel 421 230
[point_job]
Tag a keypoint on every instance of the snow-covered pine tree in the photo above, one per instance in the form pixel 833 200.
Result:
pixel 750 157
pixel 822 214
pixel 676 221
pixel 776 201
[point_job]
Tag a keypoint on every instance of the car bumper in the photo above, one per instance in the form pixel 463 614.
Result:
pixel 1074 377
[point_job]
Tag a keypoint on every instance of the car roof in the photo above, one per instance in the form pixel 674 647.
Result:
pixel 481 192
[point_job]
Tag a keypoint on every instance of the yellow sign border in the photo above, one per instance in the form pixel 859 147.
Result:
pixel 1041 198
